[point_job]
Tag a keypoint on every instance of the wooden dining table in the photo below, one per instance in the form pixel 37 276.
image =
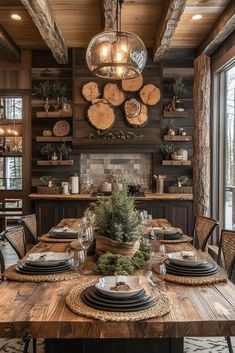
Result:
pixel 39 310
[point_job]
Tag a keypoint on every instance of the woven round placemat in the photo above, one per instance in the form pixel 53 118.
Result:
pixel 75 303
pixel 11 274
pixel 47 239
pixel 184 239
pixel 220 276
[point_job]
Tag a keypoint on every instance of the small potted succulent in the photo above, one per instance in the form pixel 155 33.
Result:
pixel 167 150
pixel 64 151
pixel 117 225
pixel 177 88
pixel 47 151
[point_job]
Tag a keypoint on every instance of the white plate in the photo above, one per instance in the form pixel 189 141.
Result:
pixel 177 258
pixel 105 284
pixel 47 256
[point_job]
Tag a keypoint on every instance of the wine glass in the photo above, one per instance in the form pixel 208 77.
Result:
pixel 85 239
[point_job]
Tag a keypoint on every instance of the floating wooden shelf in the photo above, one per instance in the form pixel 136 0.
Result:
pixel 171 162
pixel 177 138
pixel 118 142
pixel 11 121
pixel 53 138
pixel 55 163
pixel 59 114
pixel 176 114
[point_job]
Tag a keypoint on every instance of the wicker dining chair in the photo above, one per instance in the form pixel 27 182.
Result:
pixel 226 258
pixel 29 223
pixel 203 229
pixel 15 236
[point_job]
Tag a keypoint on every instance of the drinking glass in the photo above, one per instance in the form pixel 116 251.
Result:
pixel 85 239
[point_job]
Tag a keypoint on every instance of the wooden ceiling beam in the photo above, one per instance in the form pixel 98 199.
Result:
pixel 167 27
pixel 222 28
pixel 8 48
pixel 108 14
pixel 43 17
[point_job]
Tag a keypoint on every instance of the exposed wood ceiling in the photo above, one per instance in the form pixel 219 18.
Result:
pixel 80 20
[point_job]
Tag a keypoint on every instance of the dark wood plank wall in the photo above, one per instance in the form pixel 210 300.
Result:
pixel 45 68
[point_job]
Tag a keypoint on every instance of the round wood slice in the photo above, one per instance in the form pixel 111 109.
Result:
pixel 113 94
pixel 101 115
pixel 90 91
pixel 140 120
pixel 133 85
pixel 132 108
pixel 150 94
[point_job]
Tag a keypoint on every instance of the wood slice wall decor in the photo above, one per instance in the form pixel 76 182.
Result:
pixel 90 91
pixel 132 108
pixel 150 94
pixel 113 94
pixel 133 85
pixel 101 115
pixel 140 120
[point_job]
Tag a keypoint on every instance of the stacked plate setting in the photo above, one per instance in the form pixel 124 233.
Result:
pixel 118 294
pixel 188 263
pixel 63 233
pixel 45 263
pixel 165 233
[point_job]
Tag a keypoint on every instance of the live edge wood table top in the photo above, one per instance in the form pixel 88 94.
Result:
pixel 40 310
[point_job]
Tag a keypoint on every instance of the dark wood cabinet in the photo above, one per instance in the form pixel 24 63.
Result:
pixel 178 212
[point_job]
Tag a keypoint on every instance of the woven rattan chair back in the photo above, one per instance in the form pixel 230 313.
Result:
pixel 203 229
pixel 29 223
pixel 15 236
pixel 227 251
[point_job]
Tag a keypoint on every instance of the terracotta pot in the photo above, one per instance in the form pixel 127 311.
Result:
pixel 104 244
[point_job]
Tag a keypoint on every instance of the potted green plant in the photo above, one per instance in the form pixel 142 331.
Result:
pixel 43 90
pixel 167 150
pixel 47 150
pixel 177 88
pixel 117 225
pixel 58 91
pixel 64 151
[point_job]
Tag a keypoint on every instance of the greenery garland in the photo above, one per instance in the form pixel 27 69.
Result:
pixel 110 264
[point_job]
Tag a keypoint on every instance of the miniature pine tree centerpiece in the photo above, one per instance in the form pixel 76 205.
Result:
pixel 118 226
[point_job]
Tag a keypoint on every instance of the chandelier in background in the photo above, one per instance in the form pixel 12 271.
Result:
pixel 115 54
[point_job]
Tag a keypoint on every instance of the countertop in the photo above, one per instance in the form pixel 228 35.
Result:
pixel 148 196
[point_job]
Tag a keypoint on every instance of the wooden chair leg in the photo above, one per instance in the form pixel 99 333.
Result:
pixel 230 347
pixel 26 340
pixel 34 345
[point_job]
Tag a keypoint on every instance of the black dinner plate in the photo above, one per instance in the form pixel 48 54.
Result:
pixel 25 265
pixel 118 308
pixel 174 236
pixel 186 271
pixel 31 271
pixel 114 303
pixel 63 235
pixel 204 266
pixel 128 298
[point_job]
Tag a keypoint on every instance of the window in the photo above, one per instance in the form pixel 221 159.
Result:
pixel 11 115
pixel 225 147
pixel 229 149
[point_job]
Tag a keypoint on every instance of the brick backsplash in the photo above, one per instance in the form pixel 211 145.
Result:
pixel 130 168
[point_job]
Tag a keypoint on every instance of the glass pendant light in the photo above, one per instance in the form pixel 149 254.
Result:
pixel 116 55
